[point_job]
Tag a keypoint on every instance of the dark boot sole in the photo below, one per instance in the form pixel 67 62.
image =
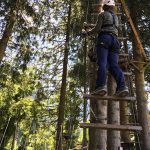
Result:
pixel 123 94
pixel 100 93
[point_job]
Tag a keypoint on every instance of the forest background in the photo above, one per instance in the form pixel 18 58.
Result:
pixel 32 47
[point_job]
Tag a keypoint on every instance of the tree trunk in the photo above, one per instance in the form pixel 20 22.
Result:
pixel 113 117
pixel 61 108
pixel 13 139
pixel 8 31
pixel 84 140
pixel 142 109
pixel 93 105
pixel 124 119
pixel 97 137
pixel 142 104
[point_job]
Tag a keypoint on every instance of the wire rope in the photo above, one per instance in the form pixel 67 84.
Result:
pixel 5 131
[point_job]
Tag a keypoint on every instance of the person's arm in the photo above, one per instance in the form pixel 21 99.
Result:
pixel 87 26
pixel 98 25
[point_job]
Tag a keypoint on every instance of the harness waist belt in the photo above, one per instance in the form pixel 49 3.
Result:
pixel 108 32
pixel 107 25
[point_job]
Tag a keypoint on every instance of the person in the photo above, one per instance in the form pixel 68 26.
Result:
pixel 108 50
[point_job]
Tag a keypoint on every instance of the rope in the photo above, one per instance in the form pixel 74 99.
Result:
pixel 5 131
pixel 93 113
pixel 91 110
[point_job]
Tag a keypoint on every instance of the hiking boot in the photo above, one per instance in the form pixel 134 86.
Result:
pixel 102 90
pixel 122 92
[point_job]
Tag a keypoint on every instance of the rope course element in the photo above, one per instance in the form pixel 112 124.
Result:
pixel 132 106
pixel 133 111
pixel 5 131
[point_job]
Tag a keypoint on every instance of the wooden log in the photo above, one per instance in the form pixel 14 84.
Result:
pixel 123 60
pixel 111 98
pixel 111 126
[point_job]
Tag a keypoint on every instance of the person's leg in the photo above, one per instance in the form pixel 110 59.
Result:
pixel 117 73
pixel 115 69
pixel 102 54
pixel 104 41
pixel 101 88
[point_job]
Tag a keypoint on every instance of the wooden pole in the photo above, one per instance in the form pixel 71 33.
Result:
pixel 113 115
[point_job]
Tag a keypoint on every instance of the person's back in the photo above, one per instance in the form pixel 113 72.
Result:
pixel 110 22
pixel 107 21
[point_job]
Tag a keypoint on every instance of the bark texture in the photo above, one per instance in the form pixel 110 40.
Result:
pixel 84 140
pixel 113 117
pixel 7 32
pixel 124 119
pixel 142 110
pixel 97 137
pixel 125 135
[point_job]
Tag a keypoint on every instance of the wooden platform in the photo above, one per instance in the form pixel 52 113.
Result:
pixel 111 126
pixel 110 98
pixel 116 4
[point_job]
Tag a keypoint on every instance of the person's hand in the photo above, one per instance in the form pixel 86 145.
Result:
pixel 85 25
pixel 84 33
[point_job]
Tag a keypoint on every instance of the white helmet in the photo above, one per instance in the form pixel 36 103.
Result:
pixel 109 2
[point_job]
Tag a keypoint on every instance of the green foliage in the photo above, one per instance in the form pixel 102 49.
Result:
pixel 31 73
pixel 142 14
